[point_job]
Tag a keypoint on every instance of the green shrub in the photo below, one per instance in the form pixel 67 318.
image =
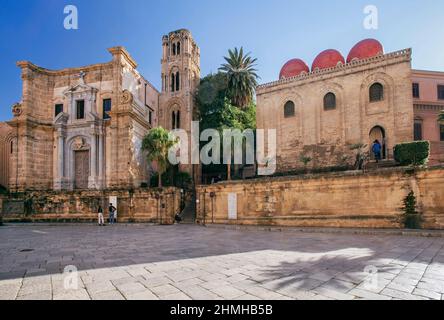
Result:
pixel 3 190
pixel 412 153
pixel 412 219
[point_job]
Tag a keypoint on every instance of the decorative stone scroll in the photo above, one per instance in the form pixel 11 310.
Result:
pixel 17 110
pixel 126 97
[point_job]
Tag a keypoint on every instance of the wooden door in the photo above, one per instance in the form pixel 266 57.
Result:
pixel 81 162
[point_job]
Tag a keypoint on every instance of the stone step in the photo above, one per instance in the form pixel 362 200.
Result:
pixel 381 164
pixel 188 214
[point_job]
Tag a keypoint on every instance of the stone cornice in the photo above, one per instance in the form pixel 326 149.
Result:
pixel 428 74
pixel 358 65
pixel 119 50
pixel 423 105
pixel 29 121
pixel 94 67
pixel 62 72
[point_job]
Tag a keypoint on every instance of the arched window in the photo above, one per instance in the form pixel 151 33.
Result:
pixel 329 101
pixel 178 120
pixel 177 81
pixel 175 120
pixel 173 82
pixel 174 49
pixel 289 109
pixel 376 92
pixel 178 48
pixel 12 147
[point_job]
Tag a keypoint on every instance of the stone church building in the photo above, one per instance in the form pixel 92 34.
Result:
pixel 82 128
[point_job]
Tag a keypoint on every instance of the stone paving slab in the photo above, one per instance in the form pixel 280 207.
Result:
pixel 145 262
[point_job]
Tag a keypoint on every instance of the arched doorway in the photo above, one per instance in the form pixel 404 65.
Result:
pixel 378 133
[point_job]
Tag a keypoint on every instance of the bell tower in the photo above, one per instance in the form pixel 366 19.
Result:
pixel 180 78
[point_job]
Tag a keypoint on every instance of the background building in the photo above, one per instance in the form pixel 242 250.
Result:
pixel 428 100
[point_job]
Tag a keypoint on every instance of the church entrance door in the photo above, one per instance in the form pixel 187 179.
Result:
pixel 81 162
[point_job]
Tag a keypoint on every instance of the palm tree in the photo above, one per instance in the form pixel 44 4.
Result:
pixel 157 144
pixel 241 77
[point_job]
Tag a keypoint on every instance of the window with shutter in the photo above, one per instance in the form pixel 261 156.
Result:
pixel 329 101
pixel 376 92
pixel 289 109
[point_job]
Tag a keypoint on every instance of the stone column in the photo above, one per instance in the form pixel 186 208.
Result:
pixel 93 161
pixel 101 160
pixel 60 160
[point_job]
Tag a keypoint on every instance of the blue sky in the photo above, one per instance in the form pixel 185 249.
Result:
pixel 274 31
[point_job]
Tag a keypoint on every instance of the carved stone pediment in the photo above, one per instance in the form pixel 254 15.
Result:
pixel 62 118
pixel 80 88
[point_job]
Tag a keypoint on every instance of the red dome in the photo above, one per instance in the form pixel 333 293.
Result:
pixel 365 49
pixel 293 68
pixel 327 59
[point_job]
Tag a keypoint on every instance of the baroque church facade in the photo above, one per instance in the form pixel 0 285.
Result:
pixel 82 128
pixel 322 111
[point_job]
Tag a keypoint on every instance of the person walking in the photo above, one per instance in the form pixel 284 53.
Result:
pixel 376 148
pixel 111 210
pixel 100 216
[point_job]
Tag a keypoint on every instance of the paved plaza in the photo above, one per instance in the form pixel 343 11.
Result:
pixel 193 262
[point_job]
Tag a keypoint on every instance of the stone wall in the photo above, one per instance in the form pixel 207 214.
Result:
pixel 139 205
pixel 370 200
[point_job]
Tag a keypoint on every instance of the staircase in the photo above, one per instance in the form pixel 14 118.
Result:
pixel 188 214
pixel 373 165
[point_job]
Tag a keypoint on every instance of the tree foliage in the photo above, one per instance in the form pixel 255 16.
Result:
pixel 412 219
pixel 215 111
pixel 157 144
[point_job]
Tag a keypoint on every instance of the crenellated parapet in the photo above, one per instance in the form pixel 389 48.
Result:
pixel 347 68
